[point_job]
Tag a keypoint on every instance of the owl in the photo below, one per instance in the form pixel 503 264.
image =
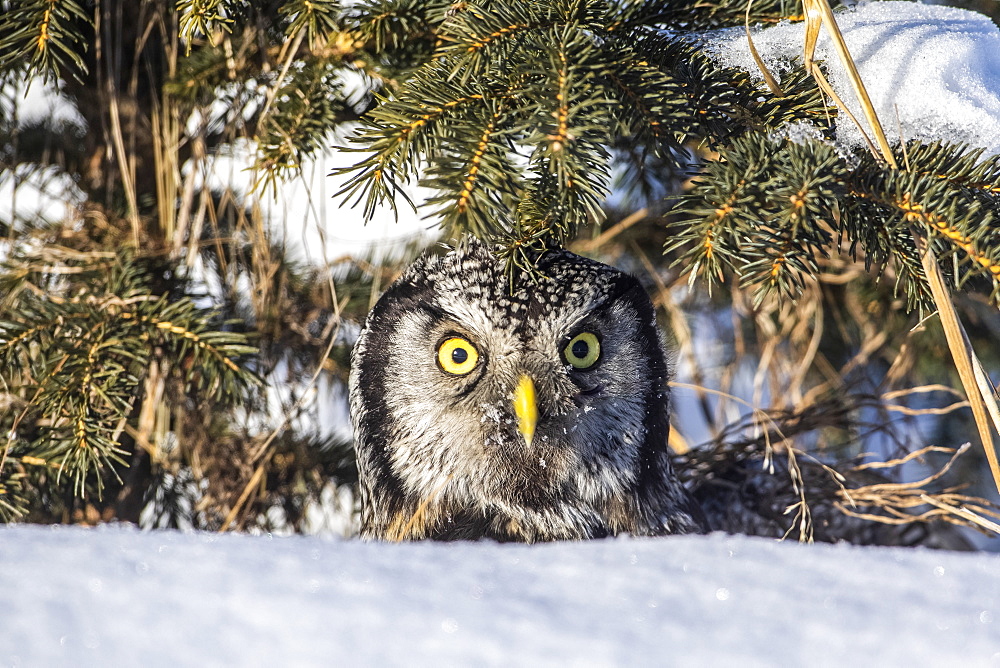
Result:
pixel 526 409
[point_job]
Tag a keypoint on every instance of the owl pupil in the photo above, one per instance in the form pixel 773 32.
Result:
pixel 580 349
pixel 459 355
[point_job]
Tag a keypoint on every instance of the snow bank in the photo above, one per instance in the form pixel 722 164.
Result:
pixel 112 596
pixel 937 67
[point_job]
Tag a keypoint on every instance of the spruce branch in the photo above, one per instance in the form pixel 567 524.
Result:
pixel 399 33
pixel 483 35
pixel 320 19
pixel 523 102
pixel 770 207
pixel 13 501
pixel 305 111
pixel 200 74
pixel 399 142
pixel 45 37
pixel 77 337
pixel 694 15
pixel 470 171
pixel 201 18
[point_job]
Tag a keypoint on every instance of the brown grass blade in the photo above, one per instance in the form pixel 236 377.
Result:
pixel 980 393
pixel 769 79
pixel 963 513
pixel 817 12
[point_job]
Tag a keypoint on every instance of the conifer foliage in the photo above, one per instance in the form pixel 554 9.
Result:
pixel 808 200
pixel 515 117
pixel 522 116
pixel 79 351
pixel 131 350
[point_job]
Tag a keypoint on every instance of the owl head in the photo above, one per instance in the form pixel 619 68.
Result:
pixel 532 408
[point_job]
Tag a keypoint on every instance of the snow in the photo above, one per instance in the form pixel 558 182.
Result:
pixel 39 195
pixel 117 596
pixel 316 226
pixel 28 193
pixel 37 101
pixel 936 69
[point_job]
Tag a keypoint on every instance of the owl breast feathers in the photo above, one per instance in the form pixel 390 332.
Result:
pixel 525 412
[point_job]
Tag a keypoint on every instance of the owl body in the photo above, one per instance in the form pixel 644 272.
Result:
pixel 526 412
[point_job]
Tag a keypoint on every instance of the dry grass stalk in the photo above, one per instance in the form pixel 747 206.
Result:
pixel 683 339
pixel 981 394
pixel 263 452
pixel 965 513
pixel 612 232
pixel 901 503
pixel 790 335
pixel 819 13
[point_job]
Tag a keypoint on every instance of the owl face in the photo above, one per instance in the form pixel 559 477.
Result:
pixel 528 411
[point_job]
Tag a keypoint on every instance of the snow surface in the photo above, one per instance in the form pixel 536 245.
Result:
pixel 936 69
pixel 119 597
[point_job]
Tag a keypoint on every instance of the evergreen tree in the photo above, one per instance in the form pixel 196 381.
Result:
pixel 131 353
pixel 522 116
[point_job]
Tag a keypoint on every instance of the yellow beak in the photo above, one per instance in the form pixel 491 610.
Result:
pixel 526 408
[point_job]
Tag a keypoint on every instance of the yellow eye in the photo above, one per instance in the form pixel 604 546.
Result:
pixel 457 356
pixel 583 350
